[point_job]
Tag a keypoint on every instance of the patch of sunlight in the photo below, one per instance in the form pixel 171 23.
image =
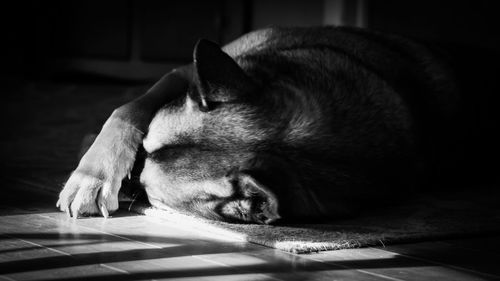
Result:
pixel 196 265
pixel 231 259
pixel 232 277
pixel 196 225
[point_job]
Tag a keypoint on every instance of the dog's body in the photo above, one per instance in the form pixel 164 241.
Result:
pixel 294 123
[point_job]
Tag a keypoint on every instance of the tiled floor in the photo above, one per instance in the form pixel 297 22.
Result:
pixel 38 243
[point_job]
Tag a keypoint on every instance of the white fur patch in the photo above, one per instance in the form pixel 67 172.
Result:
pixel 170 123
pixel 168 188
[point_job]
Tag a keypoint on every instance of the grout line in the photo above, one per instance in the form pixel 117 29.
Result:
pixel 442 264
pixel 271 277
pixel 378 275
pixel 107 233
pixel 38 245
pixel 351 268
pixel 227 265
pixel 210 261
pixel 114 268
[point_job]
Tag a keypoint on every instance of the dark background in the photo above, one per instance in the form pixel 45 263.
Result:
pixel 140 40
pixel 65 65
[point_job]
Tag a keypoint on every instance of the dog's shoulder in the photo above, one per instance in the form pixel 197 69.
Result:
pixel 383 53
pixel 414 70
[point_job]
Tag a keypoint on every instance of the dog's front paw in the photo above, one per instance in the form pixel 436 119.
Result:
pixel 85 194
pixel 93 187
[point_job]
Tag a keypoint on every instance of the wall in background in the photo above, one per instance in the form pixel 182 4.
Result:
pixel 141 40
pixel 125 39
pixel 467 23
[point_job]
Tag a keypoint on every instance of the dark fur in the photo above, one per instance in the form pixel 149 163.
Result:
pixel 327 121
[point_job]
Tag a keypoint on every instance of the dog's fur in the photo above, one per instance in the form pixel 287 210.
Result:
pixel 283 122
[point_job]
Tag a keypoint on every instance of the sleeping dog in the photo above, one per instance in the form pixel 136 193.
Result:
pixel 291 123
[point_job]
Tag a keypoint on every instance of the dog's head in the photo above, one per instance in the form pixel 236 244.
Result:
pixel 212 151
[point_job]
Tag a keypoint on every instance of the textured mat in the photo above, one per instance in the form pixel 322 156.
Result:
pixel 459 215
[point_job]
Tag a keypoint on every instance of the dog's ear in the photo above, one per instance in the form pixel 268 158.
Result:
pixel 217 76
pixel 260 205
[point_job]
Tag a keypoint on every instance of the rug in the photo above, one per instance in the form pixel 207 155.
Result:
pixel 426 218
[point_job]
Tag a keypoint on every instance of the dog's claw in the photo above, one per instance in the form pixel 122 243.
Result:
pixel 73 213
pixel 104 211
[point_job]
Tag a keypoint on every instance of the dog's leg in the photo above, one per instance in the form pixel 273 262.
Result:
pixel 93 187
